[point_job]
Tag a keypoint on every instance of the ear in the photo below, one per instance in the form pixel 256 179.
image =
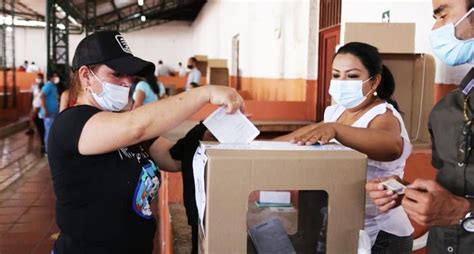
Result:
pixel 376 81
pixel 84 75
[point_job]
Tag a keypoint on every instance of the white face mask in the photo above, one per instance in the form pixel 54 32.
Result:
pixel 38 81
pixel 449 48
pixel 347 93
pixel 55 80
pixel 113 97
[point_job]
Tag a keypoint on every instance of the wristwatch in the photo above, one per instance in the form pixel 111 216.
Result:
pixel 468 222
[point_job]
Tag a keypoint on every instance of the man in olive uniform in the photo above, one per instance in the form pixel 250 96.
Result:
pixel 447 204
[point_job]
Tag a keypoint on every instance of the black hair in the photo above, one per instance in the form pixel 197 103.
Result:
pixel 469 4
pixel 52 74
pixel 370 58
pixel 153 83
pixel 193 59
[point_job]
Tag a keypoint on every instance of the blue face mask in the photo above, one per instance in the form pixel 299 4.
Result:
pixel 347 93
pixel 450 49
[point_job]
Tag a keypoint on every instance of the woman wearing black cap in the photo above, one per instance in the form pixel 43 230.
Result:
pixel 104 175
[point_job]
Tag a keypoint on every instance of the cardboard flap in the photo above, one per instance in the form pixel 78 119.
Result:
pixel 217 63
pixel 414 79
pixel 387 37
pixel 218 72
pixel 201 58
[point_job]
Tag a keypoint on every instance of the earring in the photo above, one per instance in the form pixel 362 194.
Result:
pixel 87 88
pixel 375 94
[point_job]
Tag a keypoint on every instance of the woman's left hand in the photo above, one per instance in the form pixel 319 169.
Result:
pixel 322 134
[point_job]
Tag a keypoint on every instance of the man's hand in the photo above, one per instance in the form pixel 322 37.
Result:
pixel 429 204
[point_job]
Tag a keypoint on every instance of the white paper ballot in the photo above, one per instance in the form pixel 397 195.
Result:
pixel 231 128
pixel 199 164
pixel 280 197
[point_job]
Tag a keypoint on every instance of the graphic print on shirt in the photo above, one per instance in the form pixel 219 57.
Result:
pixel 146 190
pixel 148 181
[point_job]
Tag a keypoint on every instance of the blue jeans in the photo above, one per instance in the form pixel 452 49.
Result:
pixel 48 122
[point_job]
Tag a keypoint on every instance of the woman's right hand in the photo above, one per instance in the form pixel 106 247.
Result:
pixel 225 96
pixel 382 198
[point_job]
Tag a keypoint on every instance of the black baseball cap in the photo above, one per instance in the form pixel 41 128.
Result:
pixel 111 49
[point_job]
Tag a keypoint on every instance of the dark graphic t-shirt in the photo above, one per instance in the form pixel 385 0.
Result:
pixel 103 201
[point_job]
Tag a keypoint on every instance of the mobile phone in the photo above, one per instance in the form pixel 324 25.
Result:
pixel 395 186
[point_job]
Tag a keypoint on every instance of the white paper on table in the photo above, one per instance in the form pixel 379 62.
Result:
pixel 199 164
pixel 231 128
pixel 281 197
pixel 279 145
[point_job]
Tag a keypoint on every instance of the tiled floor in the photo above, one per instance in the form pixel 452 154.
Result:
pixel 27 214
pixel 27 199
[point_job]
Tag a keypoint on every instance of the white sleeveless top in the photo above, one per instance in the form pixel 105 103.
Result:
pixel 396 220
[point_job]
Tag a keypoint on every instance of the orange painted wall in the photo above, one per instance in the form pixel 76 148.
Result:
pixel 265 89
pixel 311 95
pixel 23 107
pixel 264 110
pixel 23 95
pixel 275 110
pixel 178 82
pixel 24 80
pixel 261 89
